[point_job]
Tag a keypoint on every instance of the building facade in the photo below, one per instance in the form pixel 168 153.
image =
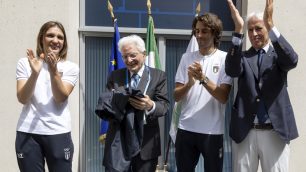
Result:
pixel 89 40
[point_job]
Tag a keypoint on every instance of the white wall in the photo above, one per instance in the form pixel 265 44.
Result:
pixel 289 19
pixel 19 25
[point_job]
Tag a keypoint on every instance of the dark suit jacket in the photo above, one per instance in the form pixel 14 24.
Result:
pixel 276 63
pixel 150 143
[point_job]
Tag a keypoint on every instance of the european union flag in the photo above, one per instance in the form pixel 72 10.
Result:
pixel 115 63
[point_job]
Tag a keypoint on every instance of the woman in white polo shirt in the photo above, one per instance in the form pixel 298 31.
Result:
pixel 44 83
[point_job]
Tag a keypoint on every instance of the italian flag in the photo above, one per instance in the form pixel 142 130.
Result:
pixel 152 59
pixel 192 46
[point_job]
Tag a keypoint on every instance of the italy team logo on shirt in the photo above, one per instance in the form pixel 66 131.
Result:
pixel 216 68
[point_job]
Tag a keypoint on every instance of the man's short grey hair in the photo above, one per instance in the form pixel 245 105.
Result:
pixel 258 15
pixel 132 39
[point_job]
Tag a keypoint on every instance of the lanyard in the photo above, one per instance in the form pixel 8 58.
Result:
pixel 127 83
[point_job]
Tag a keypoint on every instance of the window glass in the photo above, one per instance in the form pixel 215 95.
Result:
pixel 167 14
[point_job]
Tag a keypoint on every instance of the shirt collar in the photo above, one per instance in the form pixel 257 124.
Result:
pixel 140 72
pixel 265 48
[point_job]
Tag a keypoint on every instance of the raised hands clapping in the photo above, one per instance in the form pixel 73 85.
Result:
pixel 35 63
pixel 268 13
pixel 238 20
pixel 52 60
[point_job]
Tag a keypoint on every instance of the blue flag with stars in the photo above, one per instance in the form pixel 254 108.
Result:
pixel 116 62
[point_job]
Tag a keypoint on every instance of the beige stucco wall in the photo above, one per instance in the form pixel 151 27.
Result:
pixel 19 25
pixel 289 19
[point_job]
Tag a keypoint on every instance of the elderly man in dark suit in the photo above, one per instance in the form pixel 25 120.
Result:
pixel 136 97
pixel 262 121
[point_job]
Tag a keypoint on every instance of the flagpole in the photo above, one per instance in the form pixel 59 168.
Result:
pixel 152 60
pixel 149 7
pixel 104 123
pixel 110 9
pixel 198 9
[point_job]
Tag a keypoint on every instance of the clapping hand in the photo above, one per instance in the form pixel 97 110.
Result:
pixel 195 71
pixel 268 15
pixel 191 79
pixel 35 63
pixel 52 60
pixel 238 20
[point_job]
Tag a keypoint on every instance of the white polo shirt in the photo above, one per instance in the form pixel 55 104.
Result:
pixel 201 112
pixel 42 115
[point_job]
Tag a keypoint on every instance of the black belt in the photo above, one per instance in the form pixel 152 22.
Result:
pixel 265 126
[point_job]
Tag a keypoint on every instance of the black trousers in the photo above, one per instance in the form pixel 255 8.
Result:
pixel 189 146
pixel 32 150
pixel 139 165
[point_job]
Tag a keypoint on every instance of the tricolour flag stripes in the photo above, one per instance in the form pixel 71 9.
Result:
pixel 152 59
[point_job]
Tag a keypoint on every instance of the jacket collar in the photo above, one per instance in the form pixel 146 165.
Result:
pixel 252 58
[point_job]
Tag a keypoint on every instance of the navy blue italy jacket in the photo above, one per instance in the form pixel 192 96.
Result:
pixel 276 63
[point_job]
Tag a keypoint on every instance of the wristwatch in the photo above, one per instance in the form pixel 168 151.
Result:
pixel 204 81
pixel 238 35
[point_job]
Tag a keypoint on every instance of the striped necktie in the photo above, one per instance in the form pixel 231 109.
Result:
pixel 135 80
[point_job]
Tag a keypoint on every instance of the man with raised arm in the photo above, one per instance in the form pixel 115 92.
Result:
pixel 262 121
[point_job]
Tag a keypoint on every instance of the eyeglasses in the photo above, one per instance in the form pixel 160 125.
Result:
pixel 131 55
